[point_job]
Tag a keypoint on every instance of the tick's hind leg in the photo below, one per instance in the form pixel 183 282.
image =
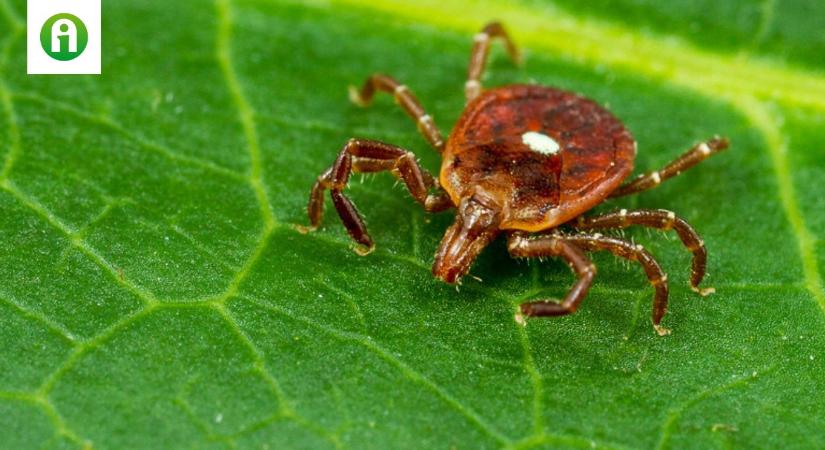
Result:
pixel 478 58
pixel 364 156
pixel 521 246
pixel 408 102
pixel 570 247
pixel 684 162
pixel 662 220
pixel 632 252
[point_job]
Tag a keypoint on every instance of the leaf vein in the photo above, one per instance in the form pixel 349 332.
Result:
pixel 51 324
pixel 350 301
pixel 108 123
pixel 286 410
pixel 377 349
pixel 777 147
pixel 675 414
pixel 247 114
pixel 78 242
pixel 91 344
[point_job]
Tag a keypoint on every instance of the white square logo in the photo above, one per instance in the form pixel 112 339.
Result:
pixel 63 36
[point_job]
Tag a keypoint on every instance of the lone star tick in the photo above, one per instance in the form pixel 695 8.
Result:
pixel 524 161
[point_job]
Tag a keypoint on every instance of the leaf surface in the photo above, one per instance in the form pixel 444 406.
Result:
pixel 154 291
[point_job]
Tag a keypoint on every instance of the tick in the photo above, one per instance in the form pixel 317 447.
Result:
pixel 526 162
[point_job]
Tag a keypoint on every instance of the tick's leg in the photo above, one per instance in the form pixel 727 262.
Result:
pixel 364 156
pixel 662 220
pixel 684 162
pixel 478 58
pixel 631 252
pixel 405 99
pixel 522 246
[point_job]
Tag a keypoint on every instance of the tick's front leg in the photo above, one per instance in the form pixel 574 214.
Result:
pixel 406 99
pixel 521 246
pixel 571 247
pixel 478 57
pixel 365 156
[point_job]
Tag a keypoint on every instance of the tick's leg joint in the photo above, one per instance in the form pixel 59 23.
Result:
pixel 472 89
pixel 356 97
pixel 478 57
pixel 660 330
pixel 663 220
pixel 553 245
pixel 365 156
pixel 692 157
pixel 516 243
pixel 404 98
pixel 629 251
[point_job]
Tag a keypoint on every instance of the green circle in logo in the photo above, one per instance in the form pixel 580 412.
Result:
pixel 64 37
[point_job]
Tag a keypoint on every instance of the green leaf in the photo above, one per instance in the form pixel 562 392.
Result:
pixel 154 291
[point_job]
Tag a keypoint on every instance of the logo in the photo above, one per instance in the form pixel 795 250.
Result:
pixel 64 37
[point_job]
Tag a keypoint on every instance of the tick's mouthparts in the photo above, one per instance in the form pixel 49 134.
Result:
pixel 458 250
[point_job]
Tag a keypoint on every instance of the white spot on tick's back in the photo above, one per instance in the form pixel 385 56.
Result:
pixel 540 143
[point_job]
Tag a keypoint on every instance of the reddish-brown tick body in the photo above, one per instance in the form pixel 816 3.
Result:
pixel 486 154
pixel 521 159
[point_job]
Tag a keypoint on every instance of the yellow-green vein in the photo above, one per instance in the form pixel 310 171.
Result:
pixel 777 147
pixel 593 41
pixel 247 114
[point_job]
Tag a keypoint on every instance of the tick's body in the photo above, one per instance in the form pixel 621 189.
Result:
pixel 522 159
pixel 545 155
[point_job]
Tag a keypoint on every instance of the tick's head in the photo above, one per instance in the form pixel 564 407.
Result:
pixel 476 225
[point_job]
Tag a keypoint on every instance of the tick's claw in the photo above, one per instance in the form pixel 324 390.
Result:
pixel 364 250
pixel 660 330
pixel 355 97
pixel 704 292
pixel 519 318
pixel 304 229
pixel 718 143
